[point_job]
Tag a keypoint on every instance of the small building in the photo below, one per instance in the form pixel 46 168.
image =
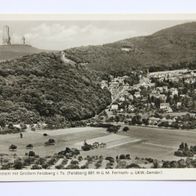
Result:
pixel 126 49
pixel 114 107
pixel 131 108
pixel 122 99
pixel 137 94
pixel 165 107
pixel 179 105
pixel 174 91
pixel 130 97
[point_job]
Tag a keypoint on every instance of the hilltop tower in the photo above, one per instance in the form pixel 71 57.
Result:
pixel 6 35
pixel 23 40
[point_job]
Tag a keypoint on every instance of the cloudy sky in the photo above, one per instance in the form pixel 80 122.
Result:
pixel 57 35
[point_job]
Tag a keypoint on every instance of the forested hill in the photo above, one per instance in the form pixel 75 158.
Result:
pixel 41 86
pixel 169 48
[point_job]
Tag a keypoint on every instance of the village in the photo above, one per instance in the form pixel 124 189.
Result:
pixel 160 99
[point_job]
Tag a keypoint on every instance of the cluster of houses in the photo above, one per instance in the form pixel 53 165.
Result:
pixel 189 76
pixel 148 97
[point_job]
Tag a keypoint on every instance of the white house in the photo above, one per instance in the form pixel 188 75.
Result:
pixel 114 107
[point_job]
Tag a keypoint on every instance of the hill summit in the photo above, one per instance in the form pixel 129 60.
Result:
pixel 170 48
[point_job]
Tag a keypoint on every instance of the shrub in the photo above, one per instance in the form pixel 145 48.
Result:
pixel 133 165
pixel 122 156
pixel 28 161
pixel 31 153
pixel 12 147
pixel 86 147
pixel 182 163
pixel 6 166
pixel 74 162
pixel 50 142
pixel 29 146
pixel 72 167
pixel 18 164
pixel 75 151
pixel 80 158
pixel 111 159
pixel 98 164
pixel 35 166
pixel 41 161
pixel 113 128
pixel 61 166
pixel 125 129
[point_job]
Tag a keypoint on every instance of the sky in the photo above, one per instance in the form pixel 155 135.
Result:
pixel 59 35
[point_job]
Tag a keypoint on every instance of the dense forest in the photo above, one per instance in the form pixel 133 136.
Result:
pixel 42 87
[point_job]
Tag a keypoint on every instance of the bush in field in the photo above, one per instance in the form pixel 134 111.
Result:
pixel 182 163
pixel 109 166
pixel 35 166
pixel 52 161
pixel 156 164
pixel 45 134
pixel 174 164
pixel 69 152
pixel 74 162
pixel 184 151
pixel 29 146
pixel 121 164
pixel 12 147
pixel 61 166
pixel 133 165
pixel 50 142
pixel 98 164
pixel 84 166
pixel 71 166
pixel 28 161
pixel 80 158
pixel 122 156
pixel 6 166
pixel 23 126
pixel 40 161
pixel 113 128
pixel 31 153
pixel 45 166
pixel 125 129
pixel 166 164
pixel 110 159
pixel 150 160
pixel 18 164
pixel 75 151
pixel 86 147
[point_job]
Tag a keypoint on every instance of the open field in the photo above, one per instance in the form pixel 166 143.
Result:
pixel 138 141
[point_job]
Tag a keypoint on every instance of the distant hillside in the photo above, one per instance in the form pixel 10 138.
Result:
pixel 41 86
pixel 8 52
pixel 169 48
